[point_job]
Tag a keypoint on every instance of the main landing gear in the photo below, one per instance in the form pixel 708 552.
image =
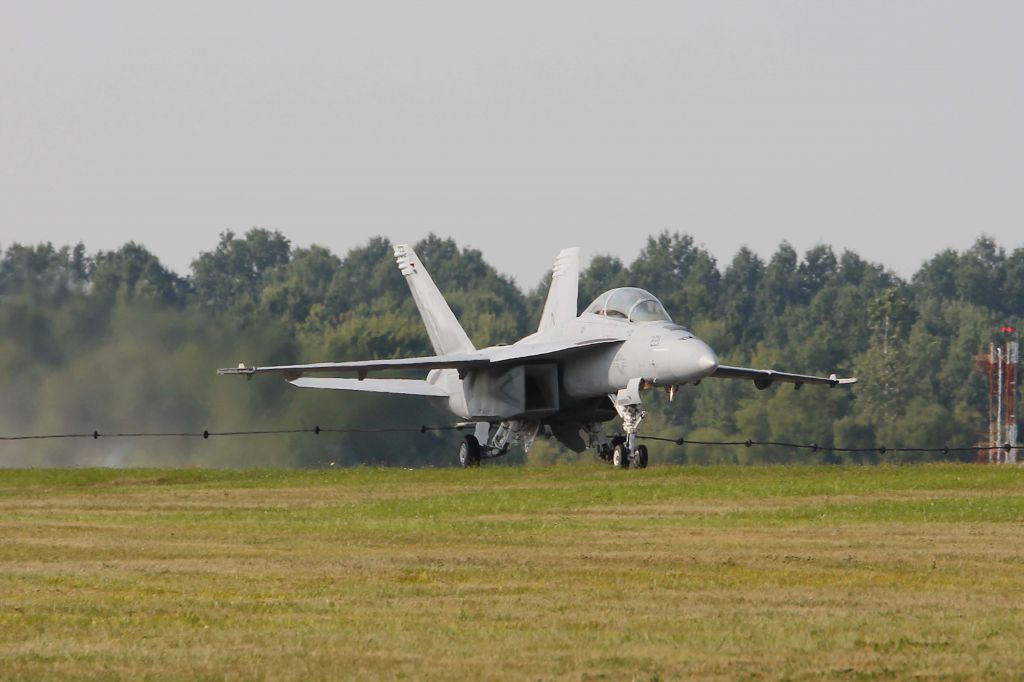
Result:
pixel 510 432
pixel 469 452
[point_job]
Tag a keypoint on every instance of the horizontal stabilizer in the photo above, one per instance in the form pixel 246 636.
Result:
pixel 397 386
pixel 362 367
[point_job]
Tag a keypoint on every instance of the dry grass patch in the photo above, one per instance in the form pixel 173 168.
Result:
pixel 569 572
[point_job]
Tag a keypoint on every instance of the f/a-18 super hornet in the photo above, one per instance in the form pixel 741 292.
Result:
pixel 576 372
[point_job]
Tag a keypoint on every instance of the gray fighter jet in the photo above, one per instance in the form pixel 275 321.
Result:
pixel 576 372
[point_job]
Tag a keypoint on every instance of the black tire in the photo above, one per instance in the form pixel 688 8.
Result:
pixel 641 457
pixel 620 457
pixel 469 452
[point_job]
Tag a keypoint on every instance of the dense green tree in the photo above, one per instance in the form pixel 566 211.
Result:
pixel 937 277
pixel 43 273
pixel 883 366
pixel 604 272
pixel 116 340
pixel 1013 287
pixel 817 270
pixel 980 274
pixel 133 272
pixel 780 287
pixel 290 292
pixel 367 274
pixel 683 275
pixel 740 284
pixel 231 276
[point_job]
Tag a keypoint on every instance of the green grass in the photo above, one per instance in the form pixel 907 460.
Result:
pixel 575 572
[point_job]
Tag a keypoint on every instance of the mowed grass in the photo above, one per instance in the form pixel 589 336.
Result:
pixel 575 572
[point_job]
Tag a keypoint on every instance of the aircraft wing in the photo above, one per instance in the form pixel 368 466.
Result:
pixel 549 350
pixel 763 378
pixel 460 361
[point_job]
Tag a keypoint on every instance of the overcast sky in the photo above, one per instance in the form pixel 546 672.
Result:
pixel 891 128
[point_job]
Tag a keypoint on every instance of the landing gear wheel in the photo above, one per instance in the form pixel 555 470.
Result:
pixel 640 457
pixel 620 457
pixel 469 452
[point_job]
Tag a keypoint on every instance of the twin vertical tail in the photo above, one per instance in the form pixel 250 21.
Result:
pixel 561 305
pixel 446 334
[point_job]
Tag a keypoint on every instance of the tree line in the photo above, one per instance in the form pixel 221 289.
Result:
pixel 114 340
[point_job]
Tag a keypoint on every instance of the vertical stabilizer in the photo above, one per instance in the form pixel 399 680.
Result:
pixel 446 334
pixel 560 306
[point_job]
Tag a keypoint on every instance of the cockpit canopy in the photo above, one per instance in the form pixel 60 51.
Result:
pixel 631 304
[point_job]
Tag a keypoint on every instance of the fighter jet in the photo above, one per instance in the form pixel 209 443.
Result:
pixel 576 372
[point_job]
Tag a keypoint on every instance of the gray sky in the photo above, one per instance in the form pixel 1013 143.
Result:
pixel 892 128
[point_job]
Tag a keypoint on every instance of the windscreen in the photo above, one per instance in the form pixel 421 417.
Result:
pixel 629 303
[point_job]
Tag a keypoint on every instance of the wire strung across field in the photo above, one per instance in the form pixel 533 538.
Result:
pixel 814 447
pixel 317 430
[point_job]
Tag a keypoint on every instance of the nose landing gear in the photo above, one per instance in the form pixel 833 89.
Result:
pixel 615 451
pixel 620 456
pixel 627 404
pixel 639 457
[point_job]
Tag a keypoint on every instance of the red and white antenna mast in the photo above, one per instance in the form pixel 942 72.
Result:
pixel 1003 369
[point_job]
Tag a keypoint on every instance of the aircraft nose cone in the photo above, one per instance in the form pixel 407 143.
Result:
pixel 708 361
pixel 693 361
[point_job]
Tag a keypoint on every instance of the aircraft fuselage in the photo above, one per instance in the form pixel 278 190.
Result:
pixel 659 353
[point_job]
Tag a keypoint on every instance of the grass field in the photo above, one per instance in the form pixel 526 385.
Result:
pixel 573 572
